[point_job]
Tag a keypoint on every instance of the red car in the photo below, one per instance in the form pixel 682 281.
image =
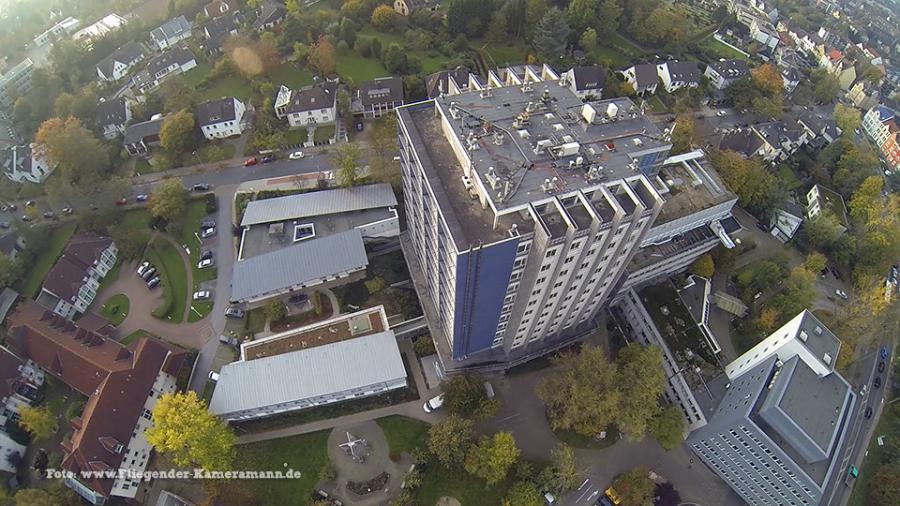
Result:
pixel 250 161
pixel 122 201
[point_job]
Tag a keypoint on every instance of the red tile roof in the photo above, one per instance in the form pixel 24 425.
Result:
pixel 9 372
pixel 67 275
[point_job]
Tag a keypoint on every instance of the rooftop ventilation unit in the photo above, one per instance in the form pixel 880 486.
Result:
pixel 588 113
pixel 493 179
pixel 818 330
pixel 827 359
pixel 542 145
pixel 524 134
pixel 611 110
pixel 803 336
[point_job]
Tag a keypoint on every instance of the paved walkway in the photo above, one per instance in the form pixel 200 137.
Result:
pixel 412 409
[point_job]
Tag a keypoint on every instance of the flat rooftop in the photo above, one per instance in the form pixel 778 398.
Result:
pixel 689 186
pixel 262 238
pixel 652 254
pixel 819 340
pixel 362 323
pixel 674 322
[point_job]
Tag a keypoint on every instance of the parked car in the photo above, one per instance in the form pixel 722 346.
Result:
pixel 213 376
pixel 228 340
pixel 149 273
pixel 762 226
pixel 296 155
pixel 49 214
pixel 153 283
pixel 207 224
pixel 122 201
pixel 207 232
pixel 200 187
pixel 12 207
pixel 206 253
pixel 29 203
pixel 840 293
pixel 4 224
pixel 201 295
pixel 299 298
pixel 884 352
pixel 721 113
pixel 269 158
pixel 207 262
pixel 868 413
pixel 877 382
pixel 143 268
pixel 250 161
pixel 3 208
pixel 26 218
pixel 881 366
pixel 142 197
pixel 434 403
pixel 67 211
pixel 234 312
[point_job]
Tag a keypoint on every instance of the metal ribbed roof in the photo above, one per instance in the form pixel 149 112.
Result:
pixel 305 374
pixel 318 203
pixel 296 265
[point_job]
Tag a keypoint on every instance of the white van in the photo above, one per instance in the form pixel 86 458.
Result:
pixel 434 404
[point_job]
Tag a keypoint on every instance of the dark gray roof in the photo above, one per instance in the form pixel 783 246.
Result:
pixel 292 267
pixel 9 243
pixel 112 112
pixel 222 25
pixel 381 90
pixel 320 203
pixel 269 12
pixel 589 77
pixel 730 69
pixel 684 71
pixel 215 111
pixel 7 298
pixel 745 142
pixel 139 131
pixel 312 98
pixel 179 54
pixel 172 28
pixel 645 75
pixel 128 54
pixel 437 82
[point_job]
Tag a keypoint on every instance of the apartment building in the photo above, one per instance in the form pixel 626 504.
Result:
pixel 15 83
pixel 880 124
pixel 779 434
pixel 524 206
pixel 72 283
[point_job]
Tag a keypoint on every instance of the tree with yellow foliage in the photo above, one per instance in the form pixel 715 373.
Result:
pixel 184 427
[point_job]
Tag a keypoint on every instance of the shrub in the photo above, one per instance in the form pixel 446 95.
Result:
pixel 212 205
pixel 424 346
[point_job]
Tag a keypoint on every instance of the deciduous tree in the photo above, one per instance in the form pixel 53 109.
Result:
pixel 322 56
pixel 641 383
pixel 767 78
pixel 667 428
pixel 169 200
pixel 40 422
pixel 465 396
pixel 81 158
pixel 610 14
pixel 384 18
pixel 450 439
pixel 581 14
pixel 177 132
pixel 847 118
pixel 346 158
pixel 523 493
pixel 588 39
pixel 565 475
pixel 634 487
pixel 184 427
pixel 491 458
pixel 884 487
pixel 276 311
pixel 704 266
pixel 178 95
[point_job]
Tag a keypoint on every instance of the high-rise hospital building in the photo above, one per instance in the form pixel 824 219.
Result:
pixel 528 209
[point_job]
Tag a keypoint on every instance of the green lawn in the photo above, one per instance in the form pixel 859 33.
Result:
pixel 290 75
pixel 356 68
pixel 142 166
pixel 215 152
pixel 403 434
pixel 576 440
pixel 116 309
pixel 618 40
pixel 197 74
pixel 130 338
pixel 712 45
pixel 432 63
pixel 385 38
pixel 324 133
pixel 167 260
pixel 228 86
pixel 296 136
pixel 438 481
pixel 305 453
pixel 255 320
pixel 31 283
pixel 656 104
pixel 504 54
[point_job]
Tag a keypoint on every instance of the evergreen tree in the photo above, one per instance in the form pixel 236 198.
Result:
pixel 550 35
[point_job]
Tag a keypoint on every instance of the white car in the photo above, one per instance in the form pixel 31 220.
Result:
pixel 296 155
pixel 205 263
pixel 201 295
pixel 434 404
pixel 721 113
pixel 840 293
pixel 208 232
pixel 213 375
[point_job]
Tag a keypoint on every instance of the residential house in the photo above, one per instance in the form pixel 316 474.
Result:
pixel 25 163
pixel 220 118
pixel 218 8
pixel 171 32
pixel 787 220
pixel 764 33
pixel 881 125
pixel 119 63
pixel 380 96
pixel 782 138
pixel 72 283
pixel 176 60
pixel 822 128
pixel 20 383
pixel 11 244
pixel 57 31
pixel 791 78
pixel 864 95
pixel 218 29
pixel 643 77
pixel 139 137
pixel 347 357
pixel 447 82
pixel 723 73
pixel 269 14
pixel 678 74
pixel 123 384
pixel 406 7
pixel 316 104
pixel 823 200
pixel 744 141
pixel 112 116
pixel 846 74
pixel 586 81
